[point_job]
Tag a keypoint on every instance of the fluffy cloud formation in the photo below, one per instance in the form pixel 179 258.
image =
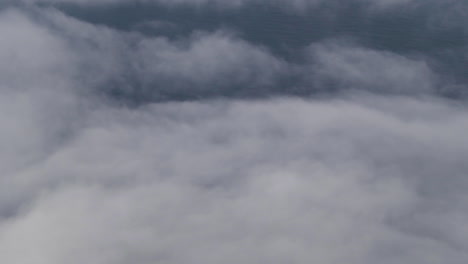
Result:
pixel 121 147
pixel 210 61
pixel 220 63
pixel 130 64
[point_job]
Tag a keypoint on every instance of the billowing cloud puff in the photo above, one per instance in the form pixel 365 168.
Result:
pixel 132 64
pixel 212 61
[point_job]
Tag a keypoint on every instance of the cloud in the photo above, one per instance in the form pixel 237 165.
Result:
pixel 215 160
pixel 345 65
pixel 281 180
pixel 224 3
pixel 137 67
pixel 208 61
pixel 200 64
pixel 36 87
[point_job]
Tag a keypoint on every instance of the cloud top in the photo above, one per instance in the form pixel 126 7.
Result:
pixel 161 141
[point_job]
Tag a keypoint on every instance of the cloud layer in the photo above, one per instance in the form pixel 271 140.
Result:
pixel 154 143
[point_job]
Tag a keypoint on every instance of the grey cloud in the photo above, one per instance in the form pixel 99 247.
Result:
pixel 415 35
pixel 374 172
pixel 154 67
pixel 34 50
pixel 296 4
pixel 222 64
pixel 341 64
pixel 210 61
pixel 282 180
pixel 36 87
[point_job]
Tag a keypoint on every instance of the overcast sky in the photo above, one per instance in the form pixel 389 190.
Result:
pixel 241 131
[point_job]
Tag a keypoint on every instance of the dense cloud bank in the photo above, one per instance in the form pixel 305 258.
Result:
pixel 148 139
